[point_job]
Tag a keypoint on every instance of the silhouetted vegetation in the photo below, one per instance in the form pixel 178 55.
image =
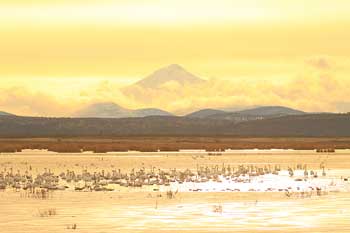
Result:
pixel 308 125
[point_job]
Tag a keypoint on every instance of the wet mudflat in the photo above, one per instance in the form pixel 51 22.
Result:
pixel 193 212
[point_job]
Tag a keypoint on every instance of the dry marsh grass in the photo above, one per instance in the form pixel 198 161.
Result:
pixel 44 213
pixel 152 144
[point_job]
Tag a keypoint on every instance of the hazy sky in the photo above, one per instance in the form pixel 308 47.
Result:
pixel 57 55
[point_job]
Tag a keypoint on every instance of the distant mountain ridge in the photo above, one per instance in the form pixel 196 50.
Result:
pixel 112 110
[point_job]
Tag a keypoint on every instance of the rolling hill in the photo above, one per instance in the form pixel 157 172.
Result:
pixel 5 114
pixel 257 113
pixel 204 113
pixel 112 110
pixel 271 111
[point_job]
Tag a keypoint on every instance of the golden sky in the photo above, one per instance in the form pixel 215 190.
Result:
pixel 57 55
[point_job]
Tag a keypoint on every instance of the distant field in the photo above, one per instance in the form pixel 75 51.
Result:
pixel 169 143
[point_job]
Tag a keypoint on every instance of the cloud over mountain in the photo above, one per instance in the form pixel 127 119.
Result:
pixel 318 84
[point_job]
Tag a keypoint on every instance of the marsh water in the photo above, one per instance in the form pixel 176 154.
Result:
pixel 132 210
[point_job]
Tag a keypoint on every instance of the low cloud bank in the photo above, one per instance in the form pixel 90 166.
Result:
pixel 321 84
